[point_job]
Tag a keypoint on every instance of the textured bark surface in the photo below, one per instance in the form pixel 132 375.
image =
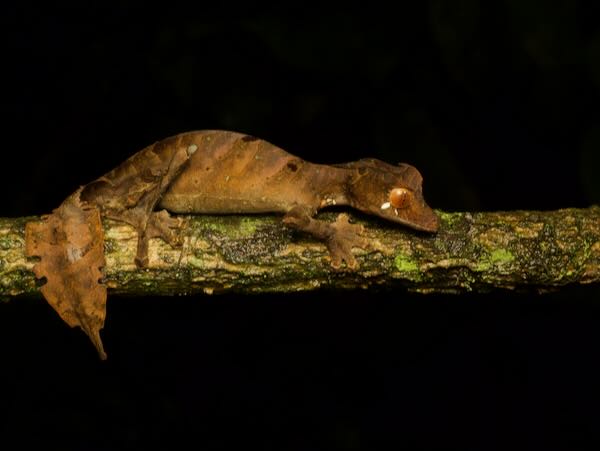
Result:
pixel 257 254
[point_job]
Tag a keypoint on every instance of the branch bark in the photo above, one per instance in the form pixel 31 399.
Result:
pixel 257 254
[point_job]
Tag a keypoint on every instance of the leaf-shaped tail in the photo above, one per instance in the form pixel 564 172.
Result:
pixel 70 244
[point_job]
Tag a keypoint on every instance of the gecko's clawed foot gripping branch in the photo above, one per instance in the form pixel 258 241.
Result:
pixel 215 172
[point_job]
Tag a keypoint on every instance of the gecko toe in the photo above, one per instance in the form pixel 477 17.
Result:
pixel 141 262
pixel 341 252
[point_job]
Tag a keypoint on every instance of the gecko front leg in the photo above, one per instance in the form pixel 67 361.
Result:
pixel 339 237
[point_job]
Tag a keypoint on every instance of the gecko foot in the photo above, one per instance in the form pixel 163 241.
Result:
pixel 160 225
pixel 344 236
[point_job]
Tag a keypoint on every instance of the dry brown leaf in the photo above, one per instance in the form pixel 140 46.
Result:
pixel 70 244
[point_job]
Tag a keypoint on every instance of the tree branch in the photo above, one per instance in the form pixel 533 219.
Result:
pixel 257 254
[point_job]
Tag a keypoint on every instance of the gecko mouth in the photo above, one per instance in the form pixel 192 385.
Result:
pixel 425 222
pixel 431 226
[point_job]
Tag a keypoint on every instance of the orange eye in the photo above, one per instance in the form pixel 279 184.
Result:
pixel 399 197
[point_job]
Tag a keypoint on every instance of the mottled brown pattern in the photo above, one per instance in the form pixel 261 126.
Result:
pixel 234 174
pixel 131 191
pixel 70 243
pixel 209 172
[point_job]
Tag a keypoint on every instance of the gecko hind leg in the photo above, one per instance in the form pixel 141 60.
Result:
pixel 156 224
pixel 160 225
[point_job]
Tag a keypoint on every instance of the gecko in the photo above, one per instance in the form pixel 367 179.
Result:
pixel 203 172
pixel 222 172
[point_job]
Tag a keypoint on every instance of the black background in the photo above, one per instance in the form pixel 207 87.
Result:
pixel 495 102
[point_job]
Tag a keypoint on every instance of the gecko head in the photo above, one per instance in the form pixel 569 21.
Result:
pixel 393 193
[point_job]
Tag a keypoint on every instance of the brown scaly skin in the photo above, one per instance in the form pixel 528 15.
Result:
pixel 209 172
pixel 129 192
pixel 230 172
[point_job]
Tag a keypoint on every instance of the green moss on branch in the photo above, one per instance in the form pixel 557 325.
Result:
pixel 257 254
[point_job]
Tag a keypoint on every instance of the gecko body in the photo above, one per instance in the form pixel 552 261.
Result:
pixel 215 172
pixel 223 172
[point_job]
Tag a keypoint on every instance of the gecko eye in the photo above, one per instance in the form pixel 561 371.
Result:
pixel 399 197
